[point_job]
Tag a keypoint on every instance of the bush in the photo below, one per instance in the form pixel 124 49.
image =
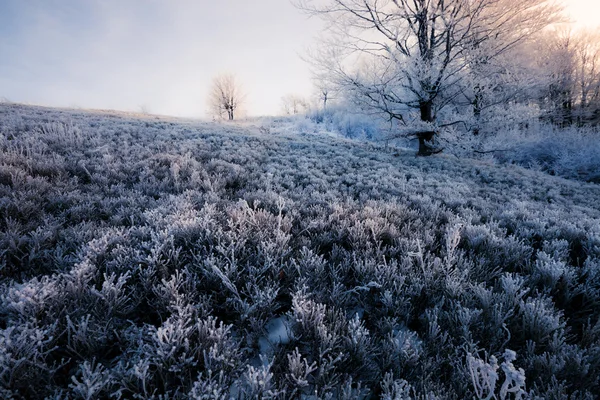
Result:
pixel 572 153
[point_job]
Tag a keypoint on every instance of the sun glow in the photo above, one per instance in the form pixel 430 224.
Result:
pixel 583 13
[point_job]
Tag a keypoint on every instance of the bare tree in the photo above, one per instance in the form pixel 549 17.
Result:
pixel 417 51
pixel 571 61
pixel 587 57
pixel 294 104
pixel 226 96
pixel 558 58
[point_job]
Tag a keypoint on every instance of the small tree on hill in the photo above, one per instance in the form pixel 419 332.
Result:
pixel 225 97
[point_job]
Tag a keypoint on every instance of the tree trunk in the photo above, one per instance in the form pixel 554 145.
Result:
pixel 567 108
pixel 426 109
pixel 477 110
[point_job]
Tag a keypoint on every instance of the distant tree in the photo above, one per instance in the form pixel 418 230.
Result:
pixel 144 109
pixel 294 104
pixel 588 71
pixel 558 60
pixel 226 96
pixel 571 62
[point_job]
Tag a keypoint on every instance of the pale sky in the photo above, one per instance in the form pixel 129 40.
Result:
pixel 162 54
pixel 584 13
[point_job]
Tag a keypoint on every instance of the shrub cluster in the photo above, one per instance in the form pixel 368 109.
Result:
pixel 570 152
pixel 153 258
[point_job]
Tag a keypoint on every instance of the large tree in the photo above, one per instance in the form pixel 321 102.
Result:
pixel 419 53
pixel 225 97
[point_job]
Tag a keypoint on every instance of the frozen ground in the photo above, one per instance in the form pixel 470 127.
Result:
pixel 143 256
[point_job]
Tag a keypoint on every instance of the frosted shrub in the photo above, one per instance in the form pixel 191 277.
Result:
pixel 348 122
pixel 396 389
pixel 353 125
pixel 310 317
pixel 113 294
pixel 539 319
pixel 86 336
pixel 92 382
pixel 571 152
pixel 61 133
pixel 548 272
pixel 169 347
pixel 485 376
pixel 358 334
pixel 305 125
pixel 209 387
pixel 403 349
pixel 257 382
pixel 30 299
pixel 299 370
pixel 25 356
pixel 220 351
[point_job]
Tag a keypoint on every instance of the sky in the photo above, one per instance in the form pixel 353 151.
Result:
pixel 156 54
pixel 584 13
pixel 160 55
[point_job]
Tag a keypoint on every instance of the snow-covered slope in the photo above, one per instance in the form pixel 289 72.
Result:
pixel 143 255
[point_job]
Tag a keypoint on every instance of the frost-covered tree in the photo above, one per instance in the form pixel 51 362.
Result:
pixel 293 104
pixel 588 71
pixel 403 55
pixel 559 61
pixel 225 97
pixel 571 63
pixel 499 71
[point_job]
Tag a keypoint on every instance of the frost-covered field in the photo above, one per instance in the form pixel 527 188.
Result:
pixel 154 258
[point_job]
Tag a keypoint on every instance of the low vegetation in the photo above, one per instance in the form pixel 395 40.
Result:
pixel 143 257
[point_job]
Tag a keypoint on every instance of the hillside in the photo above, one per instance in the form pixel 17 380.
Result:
pixel 142 256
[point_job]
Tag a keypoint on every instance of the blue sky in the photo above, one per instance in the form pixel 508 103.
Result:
pixel 160 54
